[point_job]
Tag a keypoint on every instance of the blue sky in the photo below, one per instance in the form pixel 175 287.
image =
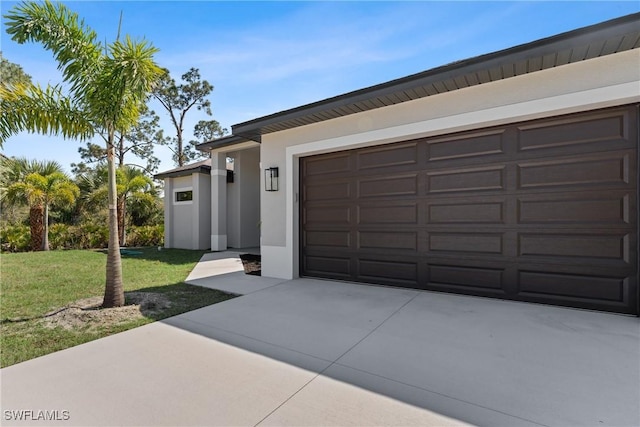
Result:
pixel 264 57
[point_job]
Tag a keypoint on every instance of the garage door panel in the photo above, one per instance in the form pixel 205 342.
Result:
pixel 467 145
pixel 593 170
pixel 388 186
pixel 329 164
pixel 588 129
pixel 328 266
pixel 552 285
pixel 336 239
pixel 472 278
pixel 460 242
pixel 543 211
pixel 595 208
pixel 390 240
pixel 388 213
pixel 614 248
pixel 479 211
pixel 328 191
pixel 334 215
pixel 403 273
pixel 467 179
pixel 388 157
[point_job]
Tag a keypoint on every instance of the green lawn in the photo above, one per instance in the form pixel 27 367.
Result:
pixel 38 283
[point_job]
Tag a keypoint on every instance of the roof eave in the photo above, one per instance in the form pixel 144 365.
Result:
pixel 225 141
pixel 206 170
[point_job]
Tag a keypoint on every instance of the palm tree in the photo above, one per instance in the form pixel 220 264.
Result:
pixel 41 192
pixel 131 184
pixel 107 86
pixel 130 181
pixel 15 170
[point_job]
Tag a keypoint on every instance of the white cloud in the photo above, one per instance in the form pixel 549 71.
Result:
pixel 315 38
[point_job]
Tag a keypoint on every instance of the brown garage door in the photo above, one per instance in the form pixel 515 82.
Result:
pixel 543 211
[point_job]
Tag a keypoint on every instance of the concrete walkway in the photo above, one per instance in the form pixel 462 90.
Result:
pixel 312 352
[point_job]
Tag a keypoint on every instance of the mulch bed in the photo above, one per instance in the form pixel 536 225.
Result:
pixel 252 264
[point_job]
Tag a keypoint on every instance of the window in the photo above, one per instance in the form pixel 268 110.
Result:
pixel 184 196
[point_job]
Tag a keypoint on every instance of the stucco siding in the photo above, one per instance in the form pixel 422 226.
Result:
pixel 272 153
pixel 233 204
pixel 182 230
pixel 597 83
pixel 249 178
pixel 203 238
pixel 168 213
pixel 188 224
pixel 243 200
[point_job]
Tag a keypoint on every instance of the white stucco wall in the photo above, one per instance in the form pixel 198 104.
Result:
pixel 597 83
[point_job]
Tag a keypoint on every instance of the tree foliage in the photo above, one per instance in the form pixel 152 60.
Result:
pixel 14 171
pixel 136 144
pixel 58 114
pixel 137 195
pixel 11 73
pixel 178 100
pixel 42 192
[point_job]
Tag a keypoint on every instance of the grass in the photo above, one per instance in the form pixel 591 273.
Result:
pixel 37 283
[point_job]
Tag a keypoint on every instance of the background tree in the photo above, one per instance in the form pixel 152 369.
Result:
pixel 145 208
pixel 139 141
pixel 14 171
pixel 134 189
pixel 178 100
pixel 41 192
pixel 131 181
pixel 204 130
pixel 107 86
pixel 11 73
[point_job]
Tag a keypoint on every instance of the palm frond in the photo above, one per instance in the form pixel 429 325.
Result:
pixel 129 72
pixel 47 111
pixel 73 44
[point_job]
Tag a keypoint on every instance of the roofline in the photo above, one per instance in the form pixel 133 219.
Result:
pixel 252 129
pixel 225 141
pixel 203 169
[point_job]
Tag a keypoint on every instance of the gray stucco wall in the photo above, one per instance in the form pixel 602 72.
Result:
pixel 188 224
pixel 250 207
pixel 203 237
pixel 233 206
pixel 243 200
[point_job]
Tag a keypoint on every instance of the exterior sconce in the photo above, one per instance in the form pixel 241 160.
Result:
pixel 271 179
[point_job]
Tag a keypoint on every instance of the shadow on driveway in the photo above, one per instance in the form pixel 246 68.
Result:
pixel 481 361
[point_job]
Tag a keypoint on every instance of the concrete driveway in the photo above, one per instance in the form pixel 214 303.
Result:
pixel 314 352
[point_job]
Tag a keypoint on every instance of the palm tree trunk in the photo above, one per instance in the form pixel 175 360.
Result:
pixel 35 224
pixel 121 223
pixel 113 291
pixel 45 232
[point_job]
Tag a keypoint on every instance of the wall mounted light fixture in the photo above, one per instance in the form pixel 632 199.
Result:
pixel 271 179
